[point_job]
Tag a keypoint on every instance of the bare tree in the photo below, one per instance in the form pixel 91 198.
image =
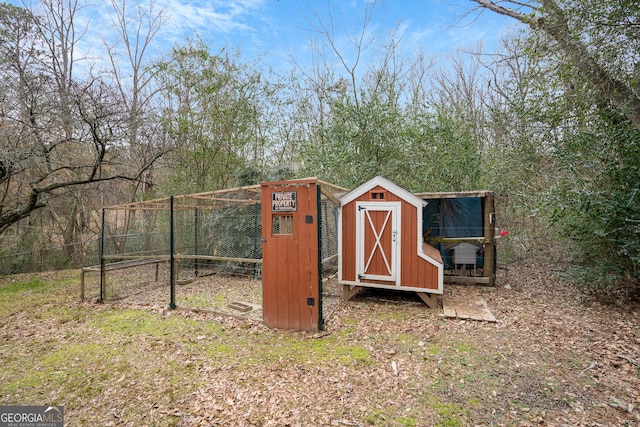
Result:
pixel 212 112
pixel 459 87
pixel 601 38
pixel 57 132
pixel 133 72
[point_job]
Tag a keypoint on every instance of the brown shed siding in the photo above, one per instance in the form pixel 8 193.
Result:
pixel 415 271
pixel 349 242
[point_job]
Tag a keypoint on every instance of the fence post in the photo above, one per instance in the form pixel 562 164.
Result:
pixel 172 261
pixel 490 239
pixel 102 263
pixel 196 240
pixel 319 221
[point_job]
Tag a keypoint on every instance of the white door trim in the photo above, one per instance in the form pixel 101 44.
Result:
pixel 392 220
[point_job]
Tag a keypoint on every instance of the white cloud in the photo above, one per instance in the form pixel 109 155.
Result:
pixel 281 28
pixel 212 16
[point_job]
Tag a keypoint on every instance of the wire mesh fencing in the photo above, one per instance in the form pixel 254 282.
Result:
pixel 135 242
pixel 60 257
pixel 199 252
pixel 219 252
pixel 329 213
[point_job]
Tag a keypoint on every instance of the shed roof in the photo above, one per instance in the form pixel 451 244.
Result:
pixel 387 185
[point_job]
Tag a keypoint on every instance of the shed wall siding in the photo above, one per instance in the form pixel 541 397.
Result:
pixel 415 271
pixel 349 242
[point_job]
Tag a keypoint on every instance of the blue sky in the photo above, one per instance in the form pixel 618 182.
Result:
pixel 279 31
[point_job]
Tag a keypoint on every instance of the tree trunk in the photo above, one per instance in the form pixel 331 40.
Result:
pixel 554 24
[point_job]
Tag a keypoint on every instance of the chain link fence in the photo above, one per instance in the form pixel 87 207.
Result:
pixel 60 257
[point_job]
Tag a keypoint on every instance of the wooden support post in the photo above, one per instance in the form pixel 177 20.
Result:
pixel 81 285
pixel 430 299
pixel 490 241
pixel 349 291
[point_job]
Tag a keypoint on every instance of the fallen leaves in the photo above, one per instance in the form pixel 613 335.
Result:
pixel 554 357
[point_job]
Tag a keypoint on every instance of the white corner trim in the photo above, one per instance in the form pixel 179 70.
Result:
pixel 387 185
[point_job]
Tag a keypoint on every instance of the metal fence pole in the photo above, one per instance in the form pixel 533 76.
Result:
pixel 172 261
pixel 102 263
pixel 319 221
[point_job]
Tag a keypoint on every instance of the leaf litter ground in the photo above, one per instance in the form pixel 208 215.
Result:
pixel 555 357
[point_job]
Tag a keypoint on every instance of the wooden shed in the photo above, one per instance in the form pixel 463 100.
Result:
pixel 381 244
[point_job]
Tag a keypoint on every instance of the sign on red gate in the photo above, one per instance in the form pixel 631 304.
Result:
pixel 291 270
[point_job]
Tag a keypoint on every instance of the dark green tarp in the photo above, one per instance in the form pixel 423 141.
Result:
pixel 453 217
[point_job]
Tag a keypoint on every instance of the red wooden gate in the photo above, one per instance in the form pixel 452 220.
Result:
pixel 290 253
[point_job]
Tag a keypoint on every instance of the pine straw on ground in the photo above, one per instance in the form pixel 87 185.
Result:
pixel 554 358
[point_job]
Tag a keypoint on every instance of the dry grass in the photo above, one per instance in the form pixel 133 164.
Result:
pixel 553 358
pixel 206 292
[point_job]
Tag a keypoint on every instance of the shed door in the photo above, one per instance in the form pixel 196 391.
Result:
pixel 291 271
pixel 378 241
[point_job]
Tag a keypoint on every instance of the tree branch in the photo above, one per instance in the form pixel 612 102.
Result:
pixel 494 7
pixel 554 23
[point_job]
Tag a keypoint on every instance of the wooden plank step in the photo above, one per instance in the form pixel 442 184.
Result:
pixel 466 304
pixel 240 306
pixel 449 310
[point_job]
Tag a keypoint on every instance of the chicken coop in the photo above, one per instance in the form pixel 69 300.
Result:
pixel 381 242
pixel 288 245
